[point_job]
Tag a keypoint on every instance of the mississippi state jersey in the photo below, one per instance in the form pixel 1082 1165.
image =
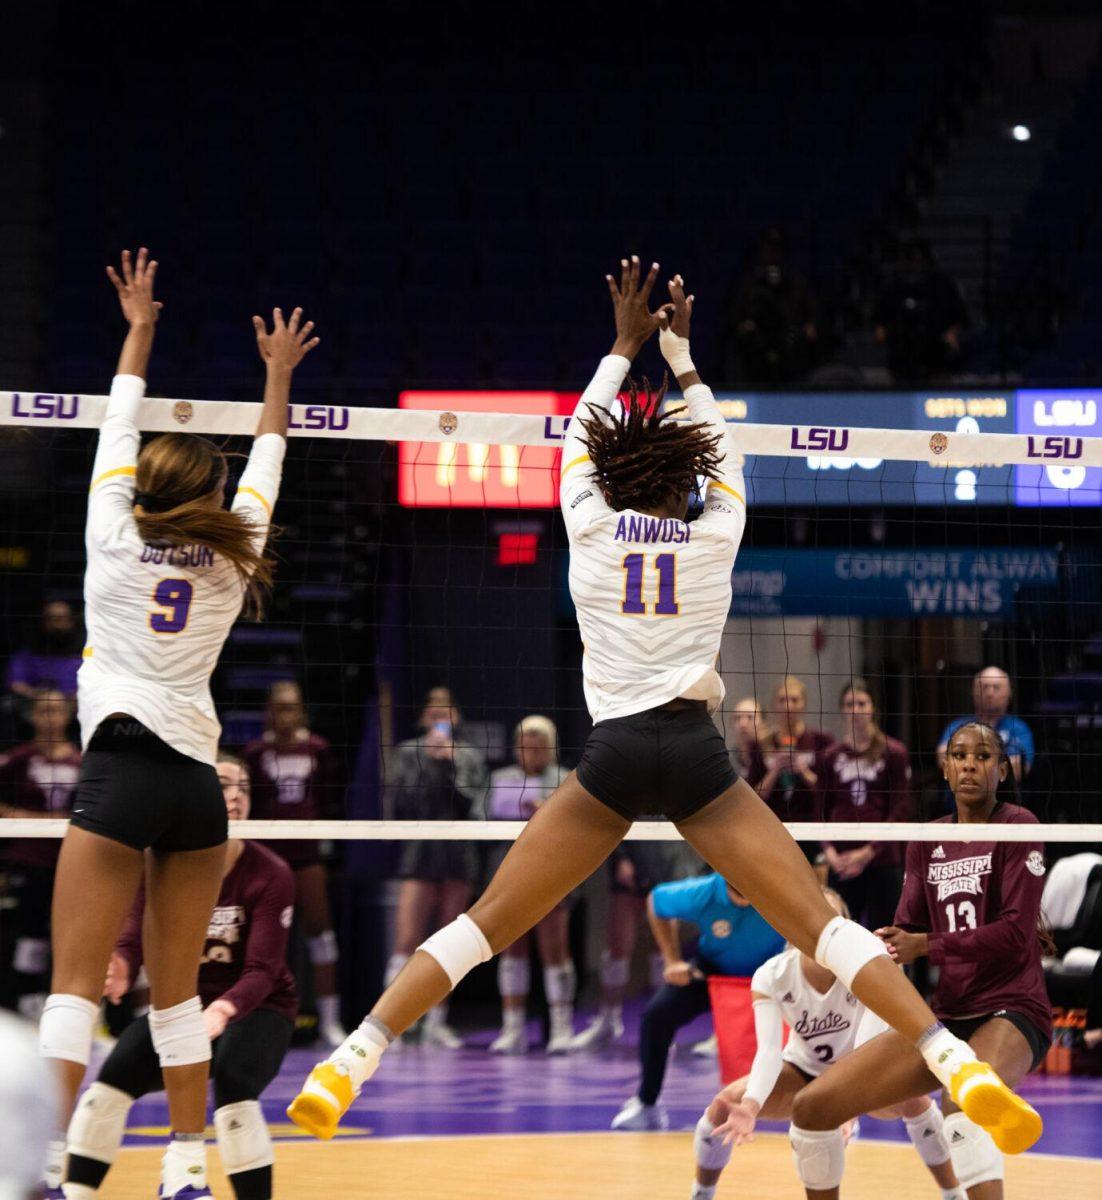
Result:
pixel 979 903
pixel 157 616
pixel 823 1026
pixel 245 956
pixel 652 594
pixel 32 780
pixel 288 782
pixel 855 787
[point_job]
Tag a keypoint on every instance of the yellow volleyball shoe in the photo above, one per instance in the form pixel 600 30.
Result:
pixel 977 1090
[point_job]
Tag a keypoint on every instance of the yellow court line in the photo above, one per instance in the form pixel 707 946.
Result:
pixel 253 492
pixel 108 474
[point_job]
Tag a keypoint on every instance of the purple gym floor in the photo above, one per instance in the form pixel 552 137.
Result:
pixel 427 1091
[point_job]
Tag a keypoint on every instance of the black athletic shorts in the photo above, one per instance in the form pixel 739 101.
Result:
pixel 665 762
pixel 1038 1042
pixel 244 1060
pixel 136 789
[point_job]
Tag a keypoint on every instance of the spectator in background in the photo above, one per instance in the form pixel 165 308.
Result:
pixel 748 726
pixel 865 777
pixel 435 776
pixel 770 330
pixel 920 316
pixel 991 696
pixel 37 780
pixel 782 765
pixel 515 794
pixel 52 657
pixel 292 775
pixel 734 940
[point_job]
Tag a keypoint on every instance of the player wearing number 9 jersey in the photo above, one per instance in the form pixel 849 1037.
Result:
pixel 169 568
pixel 652 592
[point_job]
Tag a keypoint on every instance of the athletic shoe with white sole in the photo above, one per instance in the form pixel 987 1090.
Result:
pixel 326 1096
pixel 606 1027
pixel 441 1036
pixel 637 1117
pixel 510 1041
pixel 981 1095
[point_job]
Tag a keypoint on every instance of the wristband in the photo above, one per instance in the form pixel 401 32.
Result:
pixel 675 350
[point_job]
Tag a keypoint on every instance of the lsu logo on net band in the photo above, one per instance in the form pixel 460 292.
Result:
pixel 44 406
pixel 1054 446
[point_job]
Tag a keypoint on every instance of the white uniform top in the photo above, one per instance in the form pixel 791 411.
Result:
pixel 157 616
pixel 823 1027
pixel 652 594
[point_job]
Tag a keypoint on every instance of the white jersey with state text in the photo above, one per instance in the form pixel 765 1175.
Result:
pixel 652 594
pixel 823 1026
pixel 157 616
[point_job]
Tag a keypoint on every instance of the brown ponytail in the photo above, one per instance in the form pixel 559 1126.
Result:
pixel 178 502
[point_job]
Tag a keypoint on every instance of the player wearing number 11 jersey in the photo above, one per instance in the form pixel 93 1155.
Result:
pixel 168 570
pixel 652 592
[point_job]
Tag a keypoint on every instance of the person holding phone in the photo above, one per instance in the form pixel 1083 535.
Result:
pixel 435 776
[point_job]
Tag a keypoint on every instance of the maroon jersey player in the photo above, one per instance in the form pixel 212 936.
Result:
pixel 249 1008
pixel 973 908
pixel 865 777
pixel 37 779
pixel 292 779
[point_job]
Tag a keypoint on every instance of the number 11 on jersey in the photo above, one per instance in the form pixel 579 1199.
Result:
pixel 635 566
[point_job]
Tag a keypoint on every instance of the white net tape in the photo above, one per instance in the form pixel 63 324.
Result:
pixel 641 831
pixel 951 448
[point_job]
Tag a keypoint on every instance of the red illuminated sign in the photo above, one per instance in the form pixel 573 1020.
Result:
pixel 469 475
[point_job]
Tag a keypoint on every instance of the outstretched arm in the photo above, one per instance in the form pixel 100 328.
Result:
pixel 281 352
pixel 725 495
pixel 579 494
pixel 112 491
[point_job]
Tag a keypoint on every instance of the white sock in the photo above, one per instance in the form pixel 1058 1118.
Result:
pixel 436 1016
pixel 184 1163
pixel 77 1191
pixel 612 1013
pixel 562 1014
pixel 360 1052
pixel 512 1020
pixel 944 1053
pixel 700 1192
pixel 957 1193
pixel 329 1010
pixel 55 1162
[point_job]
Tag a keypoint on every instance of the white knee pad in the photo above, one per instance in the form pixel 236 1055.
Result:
pixel 458 948
pixel 845 947
pixel 179 1035
pixel 322 950
pixel 615 972
pixel 927 1133
pixel 820 1156
pixel 976 1158
pixel 514 977
pixel 65 1030
pixel 243 1138
pixel 99 1123
pixel 32 956
pixel 559 983
pixel 711 1153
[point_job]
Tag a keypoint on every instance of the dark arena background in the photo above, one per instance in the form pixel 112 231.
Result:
pixel 891 219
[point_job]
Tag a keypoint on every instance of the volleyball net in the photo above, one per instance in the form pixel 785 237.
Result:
pixel 421 547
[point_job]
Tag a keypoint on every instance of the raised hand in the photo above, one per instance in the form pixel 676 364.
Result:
pixel 635 323
pixel 677 316
pixel 288 343
pixel 135 288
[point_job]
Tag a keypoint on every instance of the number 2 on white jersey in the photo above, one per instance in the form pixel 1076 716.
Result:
pixel 665 605
pixel 967 915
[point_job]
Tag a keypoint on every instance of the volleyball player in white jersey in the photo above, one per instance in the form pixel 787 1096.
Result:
pixel 826 1021
pixel 652 594
pixel 168 570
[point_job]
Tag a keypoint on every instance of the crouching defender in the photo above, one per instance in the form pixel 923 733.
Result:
pixel 827 1021
pixel 652 593
pixel 249 1010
